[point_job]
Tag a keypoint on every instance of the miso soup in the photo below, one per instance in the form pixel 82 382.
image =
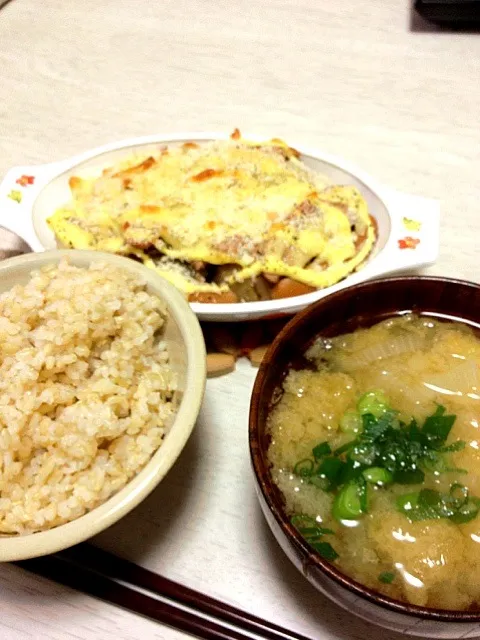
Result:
pixel 376 449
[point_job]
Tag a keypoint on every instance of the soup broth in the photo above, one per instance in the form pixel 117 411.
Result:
pixel 376 449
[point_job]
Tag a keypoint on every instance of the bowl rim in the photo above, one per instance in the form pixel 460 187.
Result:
pixel 22 547
pixel 376 264
pixel 266 484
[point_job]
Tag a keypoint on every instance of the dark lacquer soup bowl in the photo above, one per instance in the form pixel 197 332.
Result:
pixel 357 307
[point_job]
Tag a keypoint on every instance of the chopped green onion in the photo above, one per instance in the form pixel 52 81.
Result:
pixel 376 428
pixel 435 463
pixel 304 468
pixel 322 449
pixel 362 492
pixel 331 469
pixel 345 447
pixel 437 427
pixel 325 550
pixel 407 503
pixel 432 505
pixel 313 533
pixel 458 445
pixel 429 504
pixel 409 476
pixel 308 526
pixel 324 531
pixel 364 453
pixel 348 502
pixel 377 475
pixel 351 471
pixel 455 470
pixel 308 531
pixel 318 481
pixel 373 402
pixel 351 422
pixel 466 512
pixel 459 493
pixel 387 450
pixel 387 577
pixel 301 520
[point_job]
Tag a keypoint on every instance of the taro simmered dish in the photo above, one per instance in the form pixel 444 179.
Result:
pixel 375 447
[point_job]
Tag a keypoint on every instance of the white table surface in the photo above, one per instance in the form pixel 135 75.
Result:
pixel 354 78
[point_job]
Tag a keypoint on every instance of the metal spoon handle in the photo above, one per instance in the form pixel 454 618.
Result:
pixel 11 244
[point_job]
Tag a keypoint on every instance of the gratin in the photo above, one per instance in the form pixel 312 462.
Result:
pixel 224 221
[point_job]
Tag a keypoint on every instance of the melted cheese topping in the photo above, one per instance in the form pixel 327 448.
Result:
pixel 226 202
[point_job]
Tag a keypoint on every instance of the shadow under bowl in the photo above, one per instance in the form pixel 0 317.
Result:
pixel 360 306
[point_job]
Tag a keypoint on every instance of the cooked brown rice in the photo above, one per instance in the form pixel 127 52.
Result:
pixel 86 391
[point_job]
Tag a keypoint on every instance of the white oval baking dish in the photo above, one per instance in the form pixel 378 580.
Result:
pixel 29 194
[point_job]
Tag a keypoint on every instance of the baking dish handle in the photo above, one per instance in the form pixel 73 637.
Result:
pixel 414 238
pixel 18 190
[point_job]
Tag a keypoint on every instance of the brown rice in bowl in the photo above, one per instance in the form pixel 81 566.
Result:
pixel 86 391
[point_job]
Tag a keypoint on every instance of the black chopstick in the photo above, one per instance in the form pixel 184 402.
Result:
pixel 93 584
pixel 97 572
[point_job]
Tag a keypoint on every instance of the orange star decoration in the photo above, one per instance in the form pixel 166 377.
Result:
pixel 15 195
pixel 408 243
pixel 24 180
